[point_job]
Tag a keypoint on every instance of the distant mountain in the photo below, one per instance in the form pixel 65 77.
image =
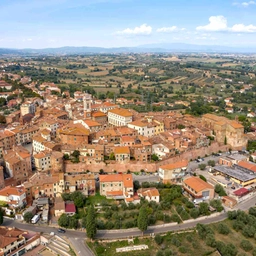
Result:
pixel 148 48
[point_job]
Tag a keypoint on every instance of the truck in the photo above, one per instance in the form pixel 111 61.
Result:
pixel 35 219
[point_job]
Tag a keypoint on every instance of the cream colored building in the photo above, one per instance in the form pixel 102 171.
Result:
pixel 119 117
pixel 150 194
pixel 27 108
pixel 173 173
pixel 116 186
pixel 43 161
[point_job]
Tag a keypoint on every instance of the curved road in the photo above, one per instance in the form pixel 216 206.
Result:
pixel 77 237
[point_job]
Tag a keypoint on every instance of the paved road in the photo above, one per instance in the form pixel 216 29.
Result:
pixel 144 178
pixel 76 238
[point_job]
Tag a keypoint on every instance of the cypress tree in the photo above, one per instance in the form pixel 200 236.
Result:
pixel 91 229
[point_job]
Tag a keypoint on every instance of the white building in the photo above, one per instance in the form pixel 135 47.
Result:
pixel 27 108
pixel 150 194
pixel 14 196
pixel 119 117
pixel 144 128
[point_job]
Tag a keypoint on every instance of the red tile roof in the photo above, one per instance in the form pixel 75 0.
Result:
pixel 70 207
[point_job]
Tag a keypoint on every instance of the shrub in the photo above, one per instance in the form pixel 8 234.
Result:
pixel 168 252
pixel 189 238
pixel 160 253
pixel 194 213
pixel 175 241
pixel 252 211
pixel 202 166
pixel 175 218
pixel 204 208
pixel 202 178
pixel 159 239
pixel 223 229
pixel 184 215
pixel 232 215
pixel 183 249
pixel 249 231
pixel 210 241
pixel 246 245
pixel 220 190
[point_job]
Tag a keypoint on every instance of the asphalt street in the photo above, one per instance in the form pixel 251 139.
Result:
pixel 77 237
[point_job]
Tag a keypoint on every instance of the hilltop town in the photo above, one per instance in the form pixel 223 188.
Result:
pixel 65 148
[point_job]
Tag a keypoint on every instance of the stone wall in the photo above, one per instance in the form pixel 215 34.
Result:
pixel 137 166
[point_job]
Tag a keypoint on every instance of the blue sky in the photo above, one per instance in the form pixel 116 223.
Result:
pixel 116 23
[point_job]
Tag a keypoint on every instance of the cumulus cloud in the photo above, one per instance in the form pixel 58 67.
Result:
pixel 245 4
pixel 216 23
pixel 219 23
pixel 144 29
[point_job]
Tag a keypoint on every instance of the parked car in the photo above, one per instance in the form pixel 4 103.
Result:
pixel 60 230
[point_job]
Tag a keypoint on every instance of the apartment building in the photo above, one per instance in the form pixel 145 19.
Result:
pixel 7 139
pixel 116 186
pixel 27 108
pixel 173 173
pixel 15 197
pixel 73 135
pixel 14 241
pixel 122 154
pixel 82 182
pixel 42 161
pixel 24 134
pixel 119 117
pixel 18 163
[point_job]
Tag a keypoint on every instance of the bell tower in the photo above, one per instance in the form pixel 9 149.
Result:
pixel 87 99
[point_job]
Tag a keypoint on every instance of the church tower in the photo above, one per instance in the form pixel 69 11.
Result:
pixel 87 99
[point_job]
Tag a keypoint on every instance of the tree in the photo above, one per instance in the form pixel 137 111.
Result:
pixel 225 140
pixel 202 166
pixel 112 156
pixel 159 239
pixel 202 178
pixel 142 221
pixel 220 190
pixel 76 153
pixel 2 119
pixel 246 245
pixel 63 220
pixel 136 185
pixel 91 228
pixel 223 229
pixel 27 217
pixel 211 163
pixel 154 157
pixel 73 223
pixel 204 208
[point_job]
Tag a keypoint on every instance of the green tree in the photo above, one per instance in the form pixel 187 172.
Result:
pixel 91 228
pixel 63 220
pixel 220 190
pixel 204 208
pixel 202 178
pixel 202 166
pixel 223 229
pixel 2 119
pixel 154 157
pixel 225 140
pixel 159 239
pixel 246 245
pixel 142 221
pixel 73 223
pixel 27 217
pixel 112 156
pixel 211 163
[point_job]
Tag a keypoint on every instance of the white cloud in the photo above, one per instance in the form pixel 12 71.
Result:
pixel 245 4
pixel 167 29
pixel 219 23
pixel 241 28
pixel 216 23
pixel 144 29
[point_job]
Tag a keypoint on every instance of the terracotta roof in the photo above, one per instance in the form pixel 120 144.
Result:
pixel 98 114
pixel 148 192
pixel 248 165
pixel 197 184
pixel 17 191
pixel 122 150
pixel 139 123
pixel 59 204
pixel 125 178
pixel 91 123
pixel 115 193
pixel 236 125
pixel 9 235
pixel 121 112
pixel 181 164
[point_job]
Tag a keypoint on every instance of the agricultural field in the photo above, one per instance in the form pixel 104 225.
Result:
pixel 234 236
